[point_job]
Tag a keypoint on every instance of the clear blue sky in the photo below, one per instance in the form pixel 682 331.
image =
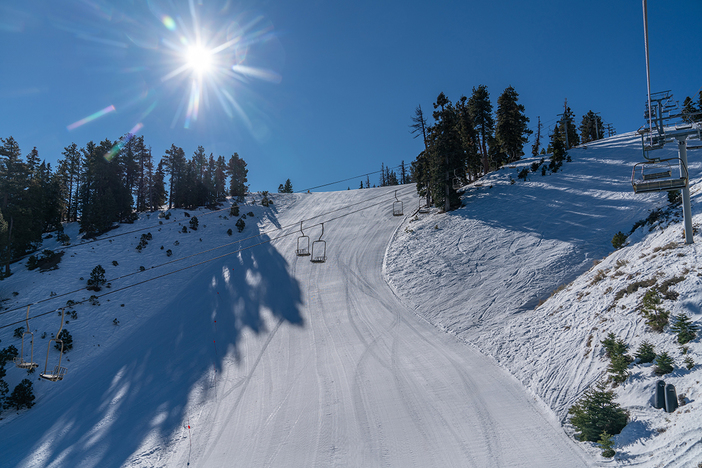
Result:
pixel 323 90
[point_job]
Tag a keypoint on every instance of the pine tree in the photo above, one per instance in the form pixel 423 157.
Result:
pixel 481 113
pixel 664 364
pixel 419 125
pixel 607 445
pixel 684 328
pixel 67 340
pixel 511 130
pixel 537 141
pixel 597 413
pixel 236 169
pixel 446 153
pixel 22 396
pixel 645 352
pixel 558 149
pixel 591 127
pixel 689 112
pixel 469 142
pixel 567 125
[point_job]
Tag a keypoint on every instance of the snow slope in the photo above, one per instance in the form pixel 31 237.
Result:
pixel 262 358
pixel 480 272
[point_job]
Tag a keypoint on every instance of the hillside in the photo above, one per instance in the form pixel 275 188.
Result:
pixel 440 339
pixel 482 272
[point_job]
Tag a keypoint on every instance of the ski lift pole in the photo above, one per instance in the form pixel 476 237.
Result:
pixel 687 209
pixel 648 70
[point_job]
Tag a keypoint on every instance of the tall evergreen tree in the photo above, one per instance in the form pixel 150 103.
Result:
pixel 419 125
pixel 174 167
pixel 446 153
pixel 511 130
pixel 690 113
pixel 236 169
pixel 537 141
pixel 567 124
pixel 481 113
pixel 591 127
pixel 469 141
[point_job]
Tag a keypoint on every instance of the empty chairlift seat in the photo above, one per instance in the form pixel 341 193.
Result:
pixel 319 249
pixel 659 176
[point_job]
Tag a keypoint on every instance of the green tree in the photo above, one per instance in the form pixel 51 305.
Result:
pixel 656 317
pixel 684 328
pixel 607 445
pixel 567 124
pixel 469 142
pixel 591 127
pixel 481 113
pixel 664 364
pixel 236 169
pixel 645 352
pixel 511 130
pixel 597 413
pixel 446 153
pixel 97 278
pixel 689 112
pixel 22 396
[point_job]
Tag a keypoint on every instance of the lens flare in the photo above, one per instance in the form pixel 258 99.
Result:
pixel 91 117
pixel 169 22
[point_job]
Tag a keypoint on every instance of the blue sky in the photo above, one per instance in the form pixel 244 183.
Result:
pixel 322 90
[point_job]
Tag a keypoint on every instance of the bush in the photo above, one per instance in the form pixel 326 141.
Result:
pixel 67 341
pixel 240 225
pixel 18 332
pixel 664 364
pixel 229 231
pixel 674 197
pixel 114 263
pixel 194 223
pixel 22 396
pixel 169 252
pixel 684 328
pixel 265 201
pixel 689 363
pixel 535 166
pixel 234 210
pixel 97 279
pixel 185 230
pixel 656 317
pixel 618 367
pixel 597 413
pixel 607 445
pixel 646 352
pixel 45 261
pixel 619 240
pixel 523 174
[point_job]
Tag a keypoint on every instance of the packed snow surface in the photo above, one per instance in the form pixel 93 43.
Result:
pixel 417 343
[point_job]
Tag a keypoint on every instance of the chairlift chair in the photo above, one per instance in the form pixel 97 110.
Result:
pixel 58 372
pixel 397 209
pixel 19 360
pixel 303 244
pixel 319 249
pixel 657 176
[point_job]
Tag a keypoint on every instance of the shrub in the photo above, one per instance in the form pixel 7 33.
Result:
pixel 234 210
pixel 229 231
pixel 684 328
pixel 194 223
pixel 689 363
pixel 250 213
pixel 265 201
pixel 523 174
pixel 185 230
pixel 240 224
pixel 656 317
pixel 22 396
pixel 664 364
pixel 67 339
pixel 141 268
pixel 45 261
pixel 618 368
pixel 674 197
pixel 535 166
pixel 18 332
pixel 543 170
pixel 607 445
pixel 645 352
pixel 97 278
pixel 619 240
pixel 169 252
pixel 114 263
pixel 597 413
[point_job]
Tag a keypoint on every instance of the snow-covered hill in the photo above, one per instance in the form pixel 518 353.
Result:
pixel 481 272
pixel 417 343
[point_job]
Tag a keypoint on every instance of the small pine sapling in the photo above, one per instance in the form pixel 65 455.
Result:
pixel 607 445
pixel 689 363
pixel 684 328
pixel 619 240
pixel 618 368
pixel 18 332
pixel 240 225
pixel 194 223
pixel 664 364
pixel 656 317
pixel 234 210
pixel 229 232
pixel 646 352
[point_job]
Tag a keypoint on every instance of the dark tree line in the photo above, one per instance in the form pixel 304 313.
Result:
pixel 465 142
pixel 101 184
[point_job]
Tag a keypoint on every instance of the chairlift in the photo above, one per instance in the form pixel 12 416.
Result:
pixel 19 360
pixel 303 244
pixel 58 371
pixel 319 249
pixel 657 176
pixel 397 206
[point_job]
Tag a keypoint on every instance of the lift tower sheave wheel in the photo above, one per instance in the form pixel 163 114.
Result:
pixel 58 371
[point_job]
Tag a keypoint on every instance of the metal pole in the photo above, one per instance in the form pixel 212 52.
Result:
pixel 687 209
pixel 648 70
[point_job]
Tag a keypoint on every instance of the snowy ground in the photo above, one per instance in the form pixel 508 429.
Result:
pixel 480 272
pixel 417 343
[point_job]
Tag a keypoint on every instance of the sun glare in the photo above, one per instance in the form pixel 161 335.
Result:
pixel 199 59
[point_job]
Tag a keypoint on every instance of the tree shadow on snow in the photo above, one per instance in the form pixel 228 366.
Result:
pixel 138 390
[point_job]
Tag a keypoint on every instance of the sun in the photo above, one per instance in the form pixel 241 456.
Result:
pixel 199 59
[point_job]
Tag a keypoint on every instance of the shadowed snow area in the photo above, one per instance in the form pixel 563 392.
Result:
pixel 263 358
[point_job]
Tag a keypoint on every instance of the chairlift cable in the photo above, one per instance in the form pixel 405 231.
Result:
pixel 184 268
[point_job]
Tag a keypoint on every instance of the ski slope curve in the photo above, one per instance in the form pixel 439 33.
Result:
pixel 266 359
